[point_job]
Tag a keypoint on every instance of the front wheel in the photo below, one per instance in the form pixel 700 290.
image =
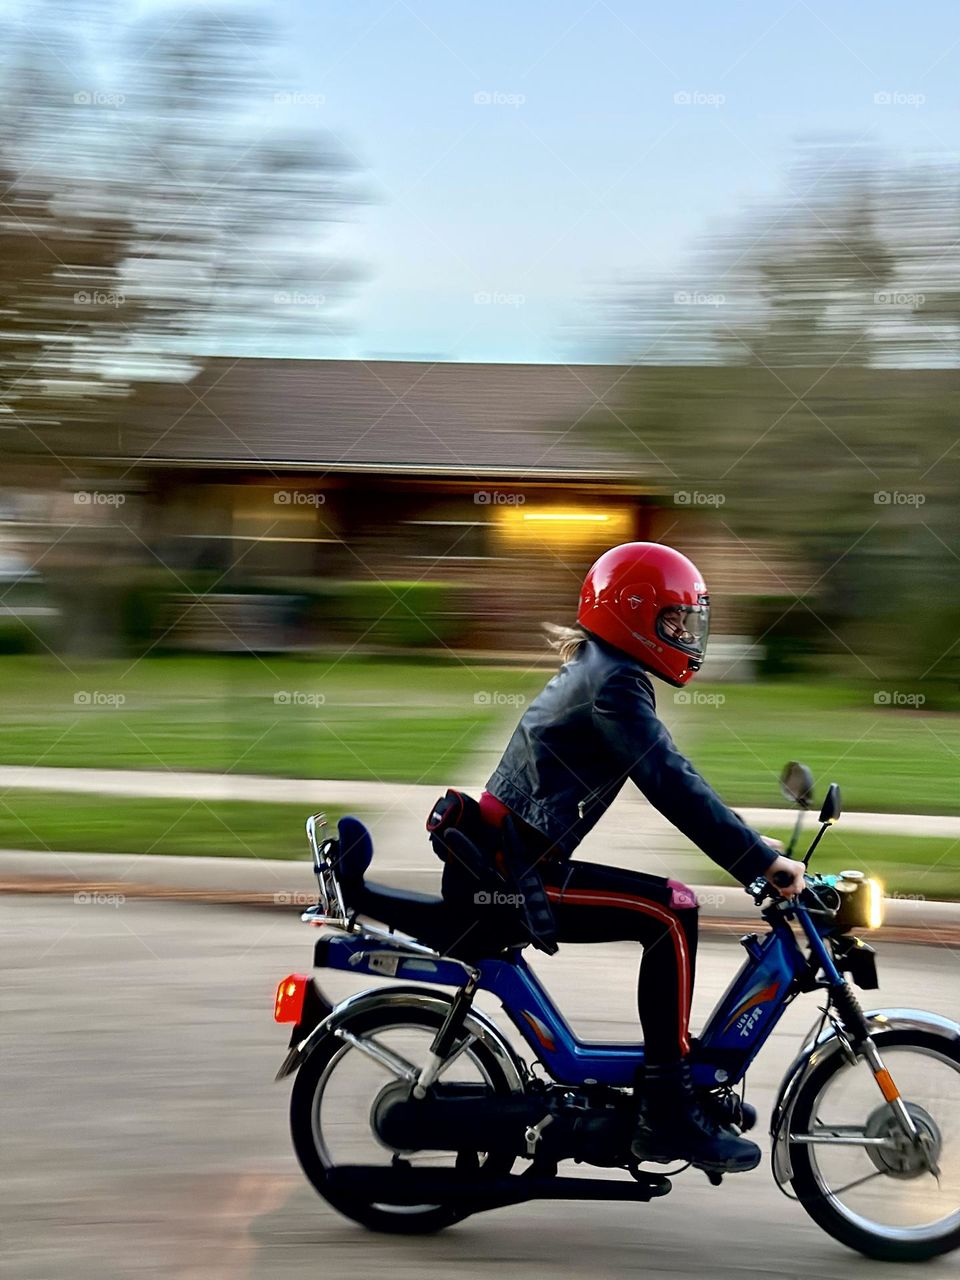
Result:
pixel 334 1095
pixel 857 1173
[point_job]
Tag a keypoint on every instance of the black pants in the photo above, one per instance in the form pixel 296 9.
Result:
pixel 596 903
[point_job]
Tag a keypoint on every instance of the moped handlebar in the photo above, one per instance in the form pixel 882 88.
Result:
pixel 763 890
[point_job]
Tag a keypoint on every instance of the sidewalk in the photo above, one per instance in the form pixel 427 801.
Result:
pixel 413 798
pixel 631 834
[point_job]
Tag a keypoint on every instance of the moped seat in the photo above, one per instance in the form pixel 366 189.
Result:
pixel 423 915
pixel 432 919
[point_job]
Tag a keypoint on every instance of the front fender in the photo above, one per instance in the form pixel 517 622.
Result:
pixel 476 1023
pixel 821 1042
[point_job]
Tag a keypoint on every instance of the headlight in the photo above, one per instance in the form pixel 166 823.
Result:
pixel 861 901
pixel 874 904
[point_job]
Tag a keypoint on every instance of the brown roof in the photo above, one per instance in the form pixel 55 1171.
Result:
pixel 356 414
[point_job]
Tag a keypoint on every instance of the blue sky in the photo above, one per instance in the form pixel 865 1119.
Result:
pixel 582 169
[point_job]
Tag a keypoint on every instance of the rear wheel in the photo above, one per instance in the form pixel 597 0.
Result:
pixel 335 1091
pixel 880 1196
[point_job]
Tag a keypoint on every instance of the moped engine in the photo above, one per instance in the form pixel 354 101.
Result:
pixel 593 1126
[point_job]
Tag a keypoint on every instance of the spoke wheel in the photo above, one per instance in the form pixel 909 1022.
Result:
pixel 890 1198
pixel 335 1093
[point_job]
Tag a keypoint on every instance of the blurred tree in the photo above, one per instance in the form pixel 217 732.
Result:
pixel 825 433
pixel 160 201
pixel 62 237
pixel 858 264
pixel 806 276
pixel 234 214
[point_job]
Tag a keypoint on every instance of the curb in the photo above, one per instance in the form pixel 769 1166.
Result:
pixel 116 893
pixel 314 793
pixel 286 884
pixel 269 877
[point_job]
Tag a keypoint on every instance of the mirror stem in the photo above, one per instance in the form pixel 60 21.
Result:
pixel 816 840
pixel 796 835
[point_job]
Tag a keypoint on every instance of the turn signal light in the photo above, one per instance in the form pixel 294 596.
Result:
pixel 291 994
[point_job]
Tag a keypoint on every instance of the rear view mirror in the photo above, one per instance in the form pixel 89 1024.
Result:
pixel 796 783
pixel 832 804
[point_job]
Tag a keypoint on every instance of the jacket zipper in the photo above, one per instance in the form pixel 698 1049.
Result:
pixel 591 797
pixel 582 805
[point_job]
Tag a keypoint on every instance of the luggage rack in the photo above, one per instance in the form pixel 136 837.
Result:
pixel 331 896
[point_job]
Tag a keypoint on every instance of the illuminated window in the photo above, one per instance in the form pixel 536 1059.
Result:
pixel 569 526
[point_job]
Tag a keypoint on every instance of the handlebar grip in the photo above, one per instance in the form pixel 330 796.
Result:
pixel 783 879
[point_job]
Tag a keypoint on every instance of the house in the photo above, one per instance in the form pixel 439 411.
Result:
pixel 500 482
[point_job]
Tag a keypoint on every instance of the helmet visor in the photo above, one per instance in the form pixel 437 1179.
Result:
pixel 686 627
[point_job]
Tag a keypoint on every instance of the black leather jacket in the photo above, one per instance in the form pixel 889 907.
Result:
pixel 593 726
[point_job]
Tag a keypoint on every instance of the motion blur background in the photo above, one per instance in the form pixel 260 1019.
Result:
pixel 337 340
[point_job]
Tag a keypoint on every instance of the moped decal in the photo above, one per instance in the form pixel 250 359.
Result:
pixel 755 997
pixel 540 1031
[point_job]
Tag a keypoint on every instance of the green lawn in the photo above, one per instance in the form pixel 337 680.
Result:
pixel 909 866
pixel 430 721
pixel 110 824
pixel 400 721
pixel 885 758
pixel 433 722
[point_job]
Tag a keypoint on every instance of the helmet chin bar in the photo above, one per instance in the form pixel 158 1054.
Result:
pixel 676 683
pixel 694 662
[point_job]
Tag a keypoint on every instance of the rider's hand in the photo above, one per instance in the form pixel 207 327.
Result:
pixel 796 870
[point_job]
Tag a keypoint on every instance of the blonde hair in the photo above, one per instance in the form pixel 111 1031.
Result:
pixel 567 641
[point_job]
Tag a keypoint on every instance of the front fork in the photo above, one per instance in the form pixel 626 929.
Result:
pixel 854 1032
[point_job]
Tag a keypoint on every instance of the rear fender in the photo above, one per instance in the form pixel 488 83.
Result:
pixel 823 1042
pixel 476 1024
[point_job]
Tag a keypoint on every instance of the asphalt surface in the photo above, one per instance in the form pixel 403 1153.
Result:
pixel 143 1134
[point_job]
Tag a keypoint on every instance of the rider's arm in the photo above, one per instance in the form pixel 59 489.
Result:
pixel 625 714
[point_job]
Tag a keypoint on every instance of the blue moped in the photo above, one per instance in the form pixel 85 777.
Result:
pixel 411 1107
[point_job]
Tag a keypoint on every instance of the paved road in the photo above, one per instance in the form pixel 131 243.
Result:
pixel 142 1133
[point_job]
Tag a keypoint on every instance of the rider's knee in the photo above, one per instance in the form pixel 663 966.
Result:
pixel 682 897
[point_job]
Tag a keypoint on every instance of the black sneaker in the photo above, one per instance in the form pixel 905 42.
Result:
pixel 672 1125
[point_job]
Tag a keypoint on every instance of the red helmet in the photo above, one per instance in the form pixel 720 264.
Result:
pixel 651 602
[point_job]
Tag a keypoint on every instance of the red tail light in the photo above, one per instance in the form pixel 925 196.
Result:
pixel 290 997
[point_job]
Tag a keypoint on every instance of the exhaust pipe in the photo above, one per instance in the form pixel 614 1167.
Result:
pixel 475 1192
